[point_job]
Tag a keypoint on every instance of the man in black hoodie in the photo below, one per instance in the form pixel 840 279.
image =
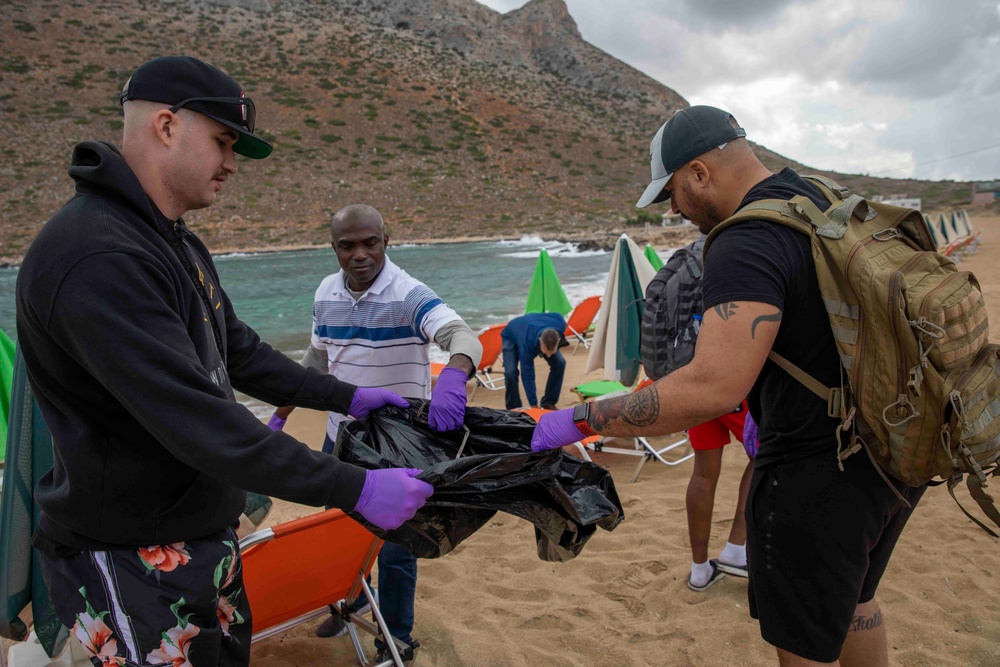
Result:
pixel 133 350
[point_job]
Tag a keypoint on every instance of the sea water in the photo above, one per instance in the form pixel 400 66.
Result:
pixel 486 283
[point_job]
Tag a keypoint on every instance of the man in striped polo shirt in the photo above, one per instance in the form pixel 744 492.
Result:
pixel 372 326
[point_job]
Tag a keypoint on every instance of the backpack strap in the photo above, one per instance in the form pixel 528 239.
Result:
pixel 772 210
pixel 984 499
pixel 855 206
pixel 830 188
pixel 693 266
pixel 808 381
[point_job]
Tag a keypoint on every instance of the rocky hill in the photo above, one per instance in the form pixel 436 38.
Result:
pixel 452 119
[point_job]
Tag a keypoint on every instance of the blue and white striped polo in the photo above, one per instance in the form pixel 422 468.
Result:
pixel 383 338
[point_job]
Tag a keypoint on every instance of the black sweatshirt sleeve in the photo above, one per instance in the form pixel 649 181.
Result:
pixel 118 315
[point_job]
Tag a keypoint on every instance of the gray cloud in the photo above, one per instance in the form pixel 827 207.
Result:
pixel 854 85
pixel 932 49
pixel 731 13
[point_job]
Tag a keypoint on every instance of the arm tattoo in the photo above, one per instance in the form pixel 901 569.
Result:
pixel 602 412
pixel 726 310
pixel 775 317
pixel 862 623
pixel 641 408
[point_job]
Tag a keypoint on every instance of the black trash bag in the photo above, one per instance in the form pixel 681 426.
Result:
pixel 564 497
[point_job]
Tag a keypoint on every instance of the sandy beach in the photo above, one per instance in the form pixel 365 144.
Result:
pixel 624 602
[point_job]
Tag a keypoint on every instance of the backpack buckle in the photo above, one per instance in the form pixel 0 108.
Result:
pixel 849 420
pixel 835 404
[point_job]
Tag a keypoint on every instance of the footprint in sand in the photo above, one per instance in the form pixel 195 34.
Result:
pixel 633 605
pixel 640 575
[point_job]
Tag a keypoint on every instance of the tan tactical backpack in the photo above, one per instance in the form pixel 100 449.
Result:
pixel 922 395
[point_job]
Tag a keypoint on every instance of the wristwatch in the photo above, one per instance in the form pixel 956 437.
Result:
pixel 581 413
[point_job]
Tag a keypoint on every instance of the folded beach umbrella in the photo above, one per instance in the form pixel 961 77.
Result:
pixel 930 228
pixel 615 347
pixel 21 583
pixel 546 295
pixel 6 380
pixel 653 257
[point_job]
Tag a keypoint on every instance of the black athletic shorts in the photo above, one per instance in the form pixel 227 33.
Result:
pixel 162 605
pixel 818 541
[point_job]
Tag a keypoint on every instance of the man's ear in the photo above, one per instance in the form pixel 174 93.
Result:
pixel 699 172
pixel 385 240
pixel 165 126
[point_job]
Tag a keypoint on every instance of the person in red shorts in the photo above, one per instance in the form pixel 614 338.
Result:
pixel 708 441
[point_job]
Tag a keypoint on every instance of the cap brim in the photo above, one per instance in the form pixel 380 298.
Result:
pixel 248 145
pixel 653 192
pixel 252 146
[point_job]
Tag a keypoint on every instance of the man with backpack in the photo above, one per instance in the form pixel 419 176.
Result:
pixel 820 527
pixel 671 321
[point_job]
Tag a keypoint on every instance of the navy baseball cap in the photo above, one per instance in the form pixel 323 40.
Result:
pixel 689 133
pixel 186 82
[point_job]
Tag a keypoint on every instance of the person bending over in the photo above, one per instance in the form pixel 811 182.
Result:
pixel 525 338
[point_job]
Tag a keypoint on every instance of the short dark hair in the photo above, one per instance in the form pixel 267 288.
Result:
pixel 550 339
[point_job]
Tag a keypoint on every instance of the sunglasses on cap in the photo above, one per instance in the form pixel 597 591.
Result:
pixel 247 110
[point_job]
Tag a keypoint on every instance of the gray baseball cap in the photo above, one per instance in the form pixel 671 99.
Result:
pixel 689 133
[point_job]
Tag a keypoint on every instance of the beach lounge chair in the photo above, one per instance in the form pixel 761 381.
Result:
pixel 304 569
pixel 485 376
pixel 598 389
pixel 602 389
pixel 579 321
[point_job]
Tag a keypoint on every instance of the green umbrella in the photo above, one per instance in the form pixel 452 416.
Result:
pixel 546 295
pixel 631 304
pixel 653 257
pixel 6 379
pixel 615 346
pixel 20 568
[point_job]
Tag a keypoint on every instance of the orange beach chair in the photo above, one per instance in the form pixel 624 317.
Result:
pixel 301 570
pixel 580 320
pixel 485 376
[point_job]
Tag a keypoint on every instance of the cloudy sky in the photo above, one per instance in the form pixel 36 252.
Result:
pixel 898 88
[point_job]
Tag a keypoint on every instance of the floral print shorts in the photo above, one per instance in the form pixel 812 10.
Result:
pixel 180 604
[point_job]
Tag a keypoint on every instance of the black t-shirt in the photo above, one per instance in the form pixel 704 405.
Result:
pixel 766 262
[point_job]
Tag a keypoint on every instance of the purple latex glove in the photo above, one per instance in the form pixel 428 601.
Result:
pixel 367 399
pixel 750 437
pixel 447 411
pixel 391 496
pixel 276 423
pixel 555 429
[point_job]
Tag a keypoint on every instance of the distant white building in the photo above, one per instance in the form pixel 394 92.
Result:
pixel 909 202
pixel 899 200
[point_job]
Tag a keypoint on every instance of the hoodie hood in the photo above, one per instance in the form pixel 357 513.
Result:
pixel 99 168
